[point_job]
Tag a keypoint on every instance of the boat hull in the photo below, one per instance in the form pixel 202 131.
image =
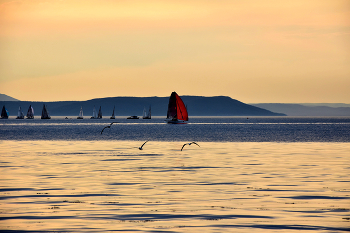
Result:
pixel 133 117
pixel 175 121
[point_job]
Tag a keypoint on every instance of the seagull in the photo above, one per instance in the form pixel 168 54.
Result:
pixel 190 143
pixel 108 126
pixel 140 148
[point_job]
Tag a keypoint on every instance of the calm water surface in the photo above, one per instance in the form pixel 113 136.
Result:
pixel 264 175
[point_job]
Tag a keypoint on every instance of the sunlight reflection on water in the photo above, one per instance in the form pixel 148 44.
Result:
pixel 95 186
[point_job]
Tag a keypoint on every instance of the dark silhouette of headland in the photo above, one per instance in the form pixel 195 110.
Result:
pixel 4 97
pixel 126 106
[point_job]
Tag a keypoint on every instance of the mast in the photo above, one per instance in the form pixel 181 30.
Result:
pixel 149 112
pixel 99 116
pixel 113 116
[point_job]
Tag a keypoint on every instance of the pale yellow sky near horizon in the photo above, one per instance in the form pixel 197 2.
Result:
pixel 254 51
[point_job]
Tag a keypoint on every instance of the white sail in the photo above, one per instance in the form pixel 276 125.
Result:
pixel 94 113
pixel 147 115
pixel 144 113
pixel 20 114
pixel 80 113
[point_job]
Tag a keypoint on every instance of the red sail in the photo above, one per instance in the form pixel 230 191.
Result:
pixel 181 109
pixel 176 108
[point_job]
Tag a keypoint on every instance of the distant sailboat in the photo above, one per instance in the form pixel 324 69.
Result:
pixel 30 113
pixel 147 115
pixel 177 111
pixel 94 114
pixel 81 113
pixel 4 113
pixel 99 115
pixel 20 114
pixel 113 116
pixel 45 113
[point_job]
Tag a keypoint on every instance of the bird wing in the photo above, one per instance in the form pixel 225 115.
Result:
pixel 114 122
pixel 195 143
pixel 144 143
pixel 103 129
pixel 183 146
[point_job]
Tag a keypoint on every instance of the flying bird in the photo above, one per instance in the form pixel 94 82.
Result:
pixel 108 126
pixel 140 148
pixel 190 143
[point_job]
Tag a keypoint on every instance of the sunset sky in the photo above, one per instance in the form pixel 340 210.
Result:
pixel 254 51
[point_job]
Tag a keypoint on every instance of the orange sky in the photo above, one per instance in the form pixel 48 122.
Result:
pixel 254 51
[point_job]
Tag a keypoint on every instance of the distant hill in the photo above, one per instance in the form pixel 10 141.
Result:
pixel 127 106
pixel 307 109
pixel 4 97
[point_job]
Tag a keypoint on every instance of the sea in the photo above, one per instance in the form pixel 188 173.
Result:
pixel 213 174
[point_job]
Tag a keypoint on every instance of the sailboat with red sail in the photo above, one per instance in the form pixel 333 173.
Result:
pixel 177 111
